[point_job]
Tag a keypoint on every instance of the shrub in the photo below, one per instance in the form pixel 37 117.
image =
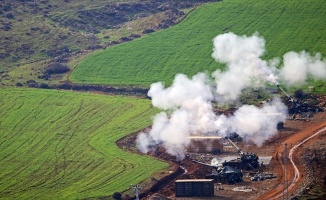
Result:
pixel 299 94
pixel 44 86
pixel 6 27
pixel 9 15
pixel 7 7
pixel 117 196
pixel 32 83
pixel 57 68
pixel 19 84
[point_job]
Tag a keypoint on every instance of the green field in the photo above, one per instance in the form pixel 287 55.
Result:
pixel 186 48
pixel 61 145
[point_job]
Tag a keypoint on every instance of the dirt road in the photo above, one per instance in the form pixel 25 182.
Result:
pixel 294 169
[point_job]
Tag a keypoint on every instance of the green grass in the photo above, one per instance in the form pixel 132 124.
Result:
pixel 185 48
pixel 61 145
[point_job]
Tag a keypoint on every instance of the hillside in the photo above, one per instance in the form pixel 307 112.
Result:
pixel 34 30
pixel 187 47
pixel 61 145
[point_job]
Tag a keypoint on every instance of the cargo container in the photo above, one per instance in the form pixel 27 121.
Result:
pixel 194 188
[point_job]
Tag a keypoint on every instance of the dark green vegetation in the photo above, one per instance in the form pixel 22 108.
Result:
pixel 185 48
pixel 61 145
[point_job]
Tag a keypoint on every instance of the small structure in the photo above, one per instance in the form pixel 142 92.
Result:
pixel 194 188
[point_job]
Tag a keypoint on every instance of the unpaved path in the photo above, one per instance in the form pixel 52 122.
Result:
pixel 294 169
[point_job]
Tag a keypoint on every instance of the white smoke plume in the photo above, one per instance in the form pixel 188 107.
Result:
pixel 245 68
pixel 298 66
pixel 182 91
pixel 253 123
pixel 258 124
pixel 188 110
pixel 187 104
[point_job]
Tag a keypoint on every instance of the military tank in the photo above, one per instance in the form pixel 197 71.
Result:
pixel 246 161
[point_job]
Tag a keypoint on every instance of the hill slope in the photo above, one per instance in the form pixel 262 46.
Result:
pixel 61 145
pixel 32 30
pixel 186 47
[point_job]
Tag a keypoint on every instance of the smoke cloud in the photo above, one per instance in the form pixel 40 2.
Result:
pixel 258 124
pixel 187 104
pixel 245 68
pixel 299 66
pixel 188 111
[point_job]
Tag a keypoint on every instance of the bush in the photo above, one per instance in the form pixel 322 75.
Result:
pixel 9 15
pixel 32 83
pixel 57 68
pixel 19 84
pixel 7 7
pixel 44 86
pixel 117 196
pixel 299 94
pixel 6 27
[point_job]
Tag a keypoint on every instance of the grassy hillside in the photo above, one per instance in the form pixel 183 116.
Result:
pixel 34 30
pixel 185 48
pixel 29 34
pixel 61 145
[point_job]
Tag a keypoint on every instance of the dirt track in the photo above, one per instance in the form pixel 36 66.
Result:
pixel 294 172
